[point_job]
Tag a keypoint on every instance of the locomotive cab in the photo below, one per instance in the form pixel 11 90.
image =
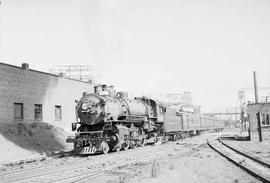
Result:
pixel 158 109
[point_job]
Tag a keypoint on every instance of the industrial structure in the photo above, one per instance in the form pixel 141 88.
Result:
pixel 28 95
pixel 79 72
pixel 182 102
pixel 232 115
pixel 245 113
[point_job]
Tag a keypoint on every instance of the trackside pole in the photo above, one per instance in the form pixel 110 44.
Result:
pixel 259 126
pixel 256 101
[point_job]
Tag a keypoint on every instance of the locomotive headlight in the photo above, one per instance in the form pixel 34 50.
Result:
pixel 84 106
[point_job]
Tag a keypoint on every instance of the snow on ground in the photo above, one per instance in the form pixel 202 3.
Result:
pixel 28 140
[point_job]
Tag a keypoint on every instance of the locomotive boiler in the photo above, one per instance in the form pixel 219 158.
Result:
pixel 109 121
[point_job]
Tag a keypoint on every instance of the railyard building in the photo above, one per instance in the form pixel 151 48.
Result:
pixel 28 95
pixel 263 110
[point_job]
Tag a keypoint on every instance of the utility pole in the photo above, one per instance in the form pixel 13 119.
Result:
pixel 256 102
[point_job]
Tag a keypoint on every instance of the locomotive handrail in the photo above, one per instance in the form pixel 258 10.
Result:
pixel 90 132
pixel 125 103
pixel 136 116
pixel 128 121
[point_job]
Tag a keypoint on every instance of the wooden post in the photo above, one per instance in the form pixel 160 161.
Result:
pixel 259 126
pixel 256 102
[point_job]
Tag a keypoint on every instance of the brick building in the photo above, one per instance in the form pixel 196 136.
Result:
pixel 28 95
pixel 264 109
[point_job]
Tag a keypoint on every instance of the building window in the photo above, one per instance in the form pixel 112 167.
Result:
pixel 38 112
pixel 58 113
pixel 267 119
pixel 18 111
pixel 263 119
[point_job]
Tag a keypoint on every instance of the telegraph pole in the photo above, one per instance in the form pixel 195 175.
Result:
pixel 256 102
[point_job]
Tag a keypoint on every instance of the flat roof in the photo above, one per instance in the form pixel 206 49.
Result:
pixel 41 72
pixel 259 103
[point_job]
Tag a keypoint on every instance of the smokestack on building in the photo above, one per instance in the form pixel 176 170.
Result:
pixel 255 87
pixel 25 66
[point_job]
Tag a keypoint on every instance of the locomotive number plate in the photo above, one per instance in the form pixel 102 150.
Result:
pixel 88 150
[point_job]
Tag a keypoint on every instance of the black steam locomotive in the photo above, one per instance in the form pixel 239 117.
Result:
pixel 109 121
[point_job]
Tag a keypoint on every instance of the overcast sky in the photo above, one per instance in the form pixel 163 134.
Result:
pixel 146 46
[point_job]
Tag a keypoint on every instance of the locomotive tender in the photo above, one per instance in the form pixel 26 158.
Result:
pixel 109 121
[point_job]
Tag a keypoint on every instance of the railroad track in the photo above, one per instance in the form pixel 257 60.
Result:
pixel 67 173
pixel 81 170
pixel 87 176
pixel 55 162
pixel 52 162
pixel 252 165
pixel 92 168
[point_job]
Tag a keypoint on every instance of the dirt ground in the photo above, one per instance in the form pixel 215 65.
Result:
pixel 254 147
pixel 188 160
pixel 198 165
pixel 21 140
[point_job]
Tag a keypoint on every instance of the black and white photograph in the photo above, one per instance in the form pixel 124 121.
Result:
pixel 134 91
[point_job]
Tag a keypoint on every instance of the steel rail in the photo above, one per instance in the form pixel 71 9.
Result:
pixel 264 163
pixel 42 166
pixel 248 168
pixel 101 172
pixel 123 162
pixel 154 156
pixel 67 166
